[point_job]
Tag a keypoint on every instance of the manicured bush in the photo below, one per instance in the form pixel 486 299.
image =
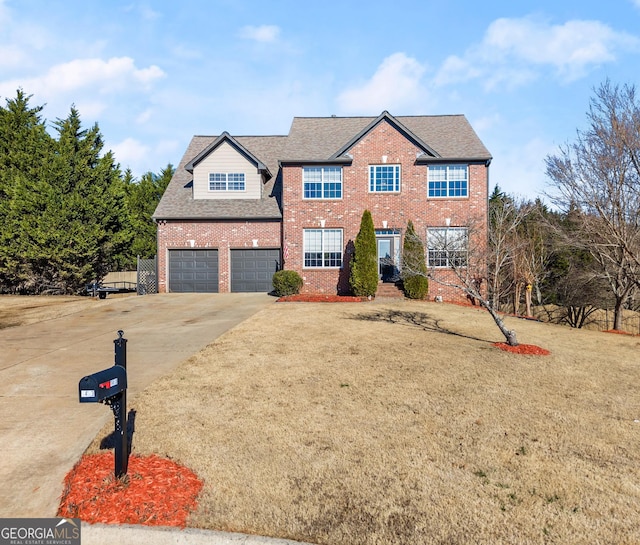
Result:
pixel 364 263
pixel 286 283
pixel 414 265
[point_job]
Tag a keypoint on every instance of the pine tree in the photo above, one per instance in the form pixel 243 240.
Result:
pixel 25 150
pixel 364 263
pixel 414 265
pixel 70 219
pixel 143 197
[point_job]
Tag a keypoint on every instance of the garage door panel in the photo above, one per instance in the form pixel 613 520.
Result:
pixel 252 269
pixel 193 271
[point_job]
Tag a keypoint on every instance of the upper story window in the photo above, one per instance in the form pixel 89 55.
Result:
pixel 323 248
pixel 384 178
pixel 322 182
pixel 448 181
pixel 226 181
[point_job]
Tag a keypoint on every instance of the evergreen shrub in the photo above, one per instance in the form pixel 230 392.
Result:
pixel 364 263
pixel 286 283
pixel 414 265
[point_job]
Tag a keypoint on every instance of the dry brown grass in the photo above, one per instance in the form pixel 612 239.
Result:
pixel 21 310
pixel 399 423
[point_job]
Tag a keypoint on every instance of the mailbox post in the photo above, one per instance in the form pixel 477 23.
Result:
pixel 109 386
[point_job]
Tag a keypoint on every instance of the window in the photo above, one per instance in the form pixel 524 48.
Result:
pixel 384 178
pixel 448 181
pixel 322 182
pixel 447 247
pixel 323 248
pixel 222 181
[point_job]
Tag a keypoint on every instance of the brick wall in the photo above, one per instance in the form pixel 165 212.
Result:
pixel 223 236
pixel 383 144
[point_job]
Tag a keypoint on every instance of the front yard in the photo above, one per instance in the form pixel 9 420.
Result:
pixel 376 423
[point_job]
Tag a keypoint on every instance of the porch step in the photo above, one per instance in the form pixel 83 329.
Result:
pixel 388 289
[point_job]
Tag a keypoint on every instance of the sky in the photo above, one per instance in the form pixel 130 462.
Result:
pixel 154 73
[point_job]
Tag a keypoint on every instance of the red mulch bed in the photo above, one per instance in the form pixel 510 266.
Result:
pixel 155 492
pixel 321 298
pixel 528 349
pixel 618 332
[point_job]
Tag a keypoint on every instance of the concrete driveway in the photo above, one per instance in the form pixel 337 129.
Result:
pixel 43 428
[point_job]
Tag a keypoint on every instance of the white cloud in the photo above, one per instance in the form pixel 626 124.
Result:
pixel 486 123
pixel 12 56
pixel 263 33
pixel 396 85
pixel 514 50
pixel 90 108
pixel 117 73
pixel 141 158
pixel 131 153
pixel 519 169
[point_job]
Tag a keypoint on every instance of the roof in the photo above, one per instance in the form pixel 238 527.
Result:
pixel 441 136
pixel 310 139
pixel 178 203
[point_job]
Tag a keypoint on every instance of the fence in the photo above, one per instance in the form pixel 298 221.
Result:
pixel 147 276
pixel 600 320
pixel 603 321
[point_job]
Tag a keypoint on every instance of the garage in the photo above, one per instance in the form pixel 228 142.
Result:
pixel 252 269
pixel 193 271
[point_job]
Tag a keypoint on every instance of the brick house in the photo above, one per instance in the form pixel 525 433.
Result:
pixel 239 208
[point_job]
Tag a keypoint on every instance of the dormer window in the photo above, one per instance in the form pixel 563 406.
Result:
pixel 226 181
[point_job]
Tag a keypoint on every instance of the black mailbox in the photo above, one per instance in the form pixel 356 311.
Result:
pixel 103 385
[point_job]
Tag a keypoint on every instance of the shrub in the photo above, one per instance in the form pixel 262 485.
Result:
pixel 364 263
pixel 286 283
pixel 414 265
pixel 416 287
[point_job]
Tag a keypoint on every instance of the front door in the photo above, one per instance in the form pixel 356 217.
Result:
pixel 386 259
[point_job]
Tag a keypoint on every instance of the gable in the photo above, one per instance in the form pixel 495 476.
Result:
pixel 391 121
pixel 225 160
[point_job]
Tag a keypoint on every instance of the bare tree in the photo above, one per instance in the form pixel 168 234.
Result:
pixel 459 256
pixel 517 254
pixel 504 218
pixel 599 177
pixel 530 253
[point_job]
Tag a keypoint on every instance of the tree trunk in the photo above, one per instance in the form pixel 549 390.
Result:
pixel 516 298
pixel 527 298
pixel 617 314
pixel 509 334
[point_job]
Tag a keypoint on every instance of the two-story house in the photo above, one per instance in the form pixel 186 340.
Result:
pixel 239 208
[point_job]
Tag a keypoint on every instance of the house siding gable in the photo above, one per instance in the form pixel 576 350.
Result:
pixel 227 159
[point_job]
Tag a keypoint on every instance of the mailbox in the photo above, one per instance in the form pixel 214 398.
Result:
pixel 103 385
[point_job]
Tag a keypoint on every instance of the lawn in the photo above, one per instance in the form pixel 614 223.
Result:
pixel 400 423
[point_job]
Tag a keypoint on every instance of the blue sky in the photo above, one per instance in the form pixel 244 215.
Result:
pixel 152 74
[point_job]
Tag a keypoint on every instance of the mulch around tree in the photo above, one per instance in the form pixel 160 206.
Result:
pixel 528 349
pixel 155 492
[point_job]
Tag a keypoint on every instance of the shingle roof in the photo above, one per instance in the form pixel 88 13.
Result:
pixel 319 138
pixel 311 139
